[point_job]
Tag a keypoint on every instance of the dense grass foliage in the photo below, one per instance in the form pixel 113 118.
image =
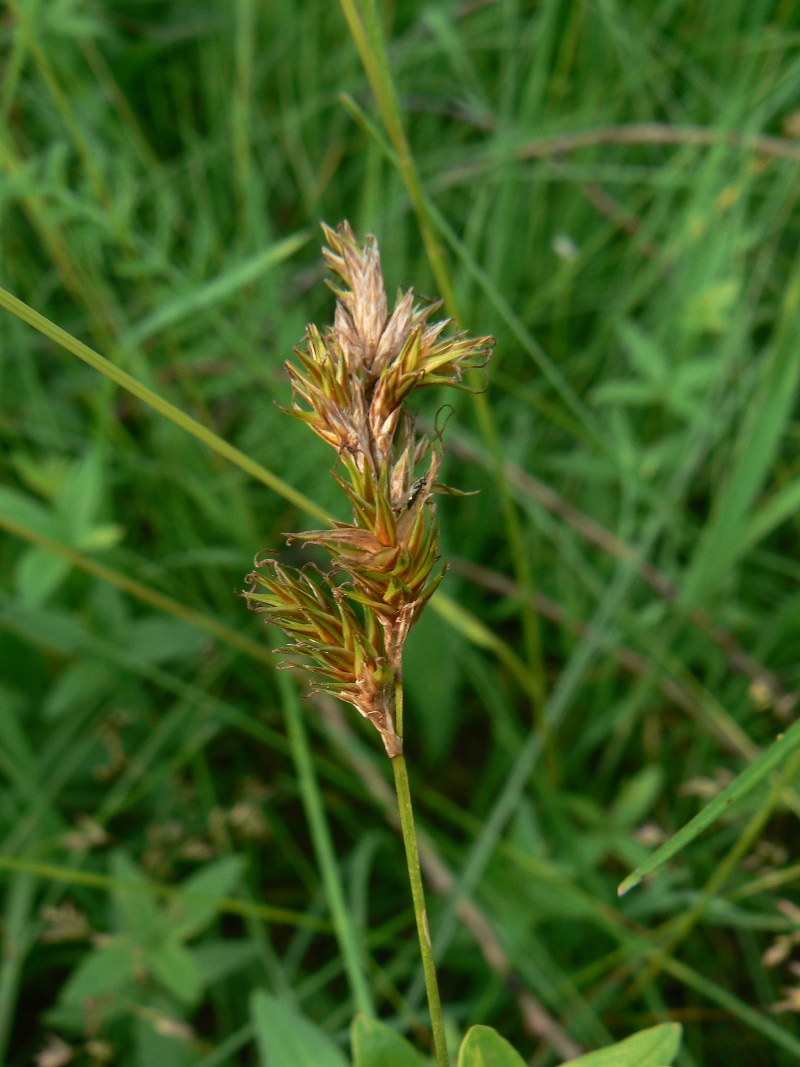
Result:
pixel 613 188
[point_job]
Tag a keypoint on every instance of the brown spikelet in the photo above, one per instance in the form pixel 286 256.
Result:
pixel 349 385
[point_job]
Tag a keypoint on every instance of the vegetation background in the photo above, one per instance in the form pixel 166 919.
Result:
pixel 614 188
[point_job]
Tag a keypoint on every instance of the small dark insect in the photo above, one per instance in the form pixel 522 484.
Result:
pixel 413 493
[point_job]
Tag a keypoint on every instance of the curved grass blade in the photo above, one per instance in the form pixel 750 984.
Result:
pixel 737 790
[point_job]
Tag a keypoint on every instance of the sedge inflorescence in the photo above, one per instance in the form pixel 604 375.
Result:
pixel 350 385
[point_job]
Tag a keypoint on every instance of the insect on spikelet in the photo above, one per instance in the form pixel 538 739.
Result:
pixel 349 385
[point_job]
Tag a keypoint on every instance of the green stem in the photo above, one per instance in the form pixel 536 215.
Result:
pixel 417 891
pixel 323 846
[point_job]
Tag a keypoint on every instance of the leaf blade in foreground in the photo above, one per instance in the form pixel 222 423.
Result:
pixel 377 1045
pixel 655 1047
pixel 484 1047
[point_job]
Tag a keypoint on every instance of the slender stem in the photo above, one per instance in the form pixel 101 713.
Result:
pixel 323 847
pixel 417 891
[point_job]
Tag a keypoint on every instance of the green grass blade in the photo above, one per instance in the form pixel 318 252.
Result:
pixel 216 290
pixel 158 403
pixel 780 507
pixel 323 845
pixel 52 872
pixel 764 426
pixel 737 790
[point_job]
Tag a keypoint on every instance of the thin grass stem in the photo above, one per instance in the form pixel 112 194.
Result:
pixel 417 890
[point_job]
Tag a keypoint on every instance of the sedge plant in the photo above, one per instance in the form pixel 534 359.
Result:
pixel 348 624
pixel 350 386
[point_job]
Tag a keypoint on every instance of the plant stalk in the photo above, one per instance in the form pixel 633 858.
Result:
pixel 417 890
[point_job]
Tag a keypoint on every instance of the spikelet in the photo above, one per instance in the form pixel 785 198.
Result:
pixel 349 385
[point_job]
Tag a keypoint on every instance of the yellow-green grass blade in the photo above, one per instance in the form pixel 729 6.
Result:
pixel 52 872
pixel 160 404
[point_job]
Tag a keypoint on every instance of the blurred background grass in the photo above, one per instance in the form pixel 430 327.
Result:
pixel 613 185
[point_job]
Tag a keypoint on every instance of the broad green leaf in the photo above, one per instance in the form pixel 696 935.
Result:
pixel 709 311
pixel 154 1048
pixel 44 476
pixel 59 631
pixel 76 685
pixel 155 639
pixel 377 1045
pixel 644 353
pixel 655 1047
pixel 78 499
pixel 101 973
pixel 96 538
pixel 287 1039
pixel 722 802
pixel 484 1047
pixel 219 959
pixel 190 912
pixel 176 969
pixel 26 511
pixel 38 575
pixel 68 18
pixel 138 913
pixel 637 796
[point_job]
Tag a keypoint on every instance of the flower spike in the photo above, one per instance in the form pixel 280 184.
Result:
pixel 349 385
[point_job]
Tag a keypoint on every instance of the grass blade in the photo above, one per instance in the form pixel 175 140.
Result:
pixel 158 403
pixel 216 290
pixel 764 426
pixel 737 790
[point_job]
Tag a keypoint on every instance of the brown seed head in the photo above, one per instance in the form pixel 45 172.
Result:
pixel 349 385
